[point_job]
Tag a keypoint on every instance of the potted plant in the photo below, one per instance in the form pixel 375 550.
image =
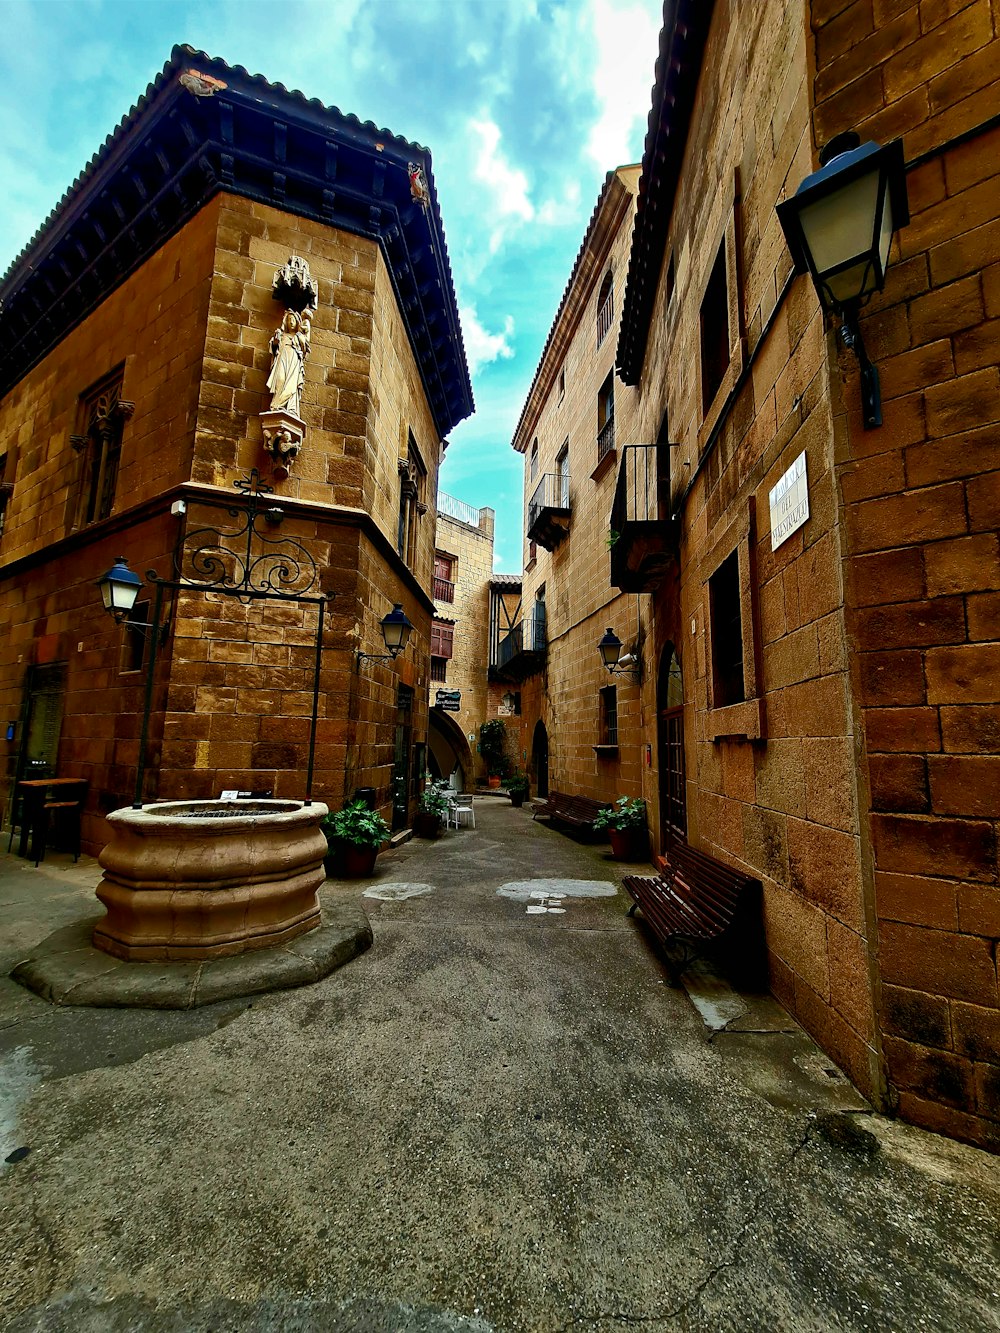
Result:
pixel 493 748
pixel 625 822
pixel 517 789
pixel 353 836
pixel 427 822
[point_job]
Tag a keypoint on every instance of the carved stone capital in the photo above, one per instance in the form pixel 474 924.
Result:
pixel 284 434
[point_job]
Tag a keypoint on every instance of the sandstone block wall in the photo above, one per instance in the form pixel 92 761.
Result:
pixel 472 550
pixel 579 601
pixel 234 687
pixel 921 502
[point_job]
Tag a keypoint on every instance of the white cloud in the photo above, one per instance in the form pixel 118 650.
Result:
pixel 507 185
pixel 481 346
pixel 562 212
pixel 626 37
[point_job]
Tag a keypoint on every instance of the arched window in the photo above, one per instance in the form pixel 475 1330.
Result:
pixel 605 307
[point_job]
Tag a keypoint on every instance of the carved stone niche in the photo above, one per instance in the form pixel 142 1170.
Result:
pixel 283 436
pixel 283 428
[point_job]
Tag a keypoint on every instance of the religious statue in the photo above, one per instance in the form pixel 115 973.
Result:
pixel 289 347
pixel 282 426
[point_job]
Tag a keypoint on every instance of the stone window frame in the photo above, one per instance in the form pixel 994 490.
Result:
pixel 744 720
pixel 412 501
pixel 605 306
pixel 727 238
pixel 607 730
pixel 102 413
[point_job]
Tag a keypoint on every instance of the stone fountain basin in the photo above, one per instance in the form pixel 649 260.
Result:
pixel 189 880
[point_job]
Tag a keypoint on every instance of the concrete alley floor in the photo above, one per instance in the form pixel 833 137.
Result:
pixel 501 1119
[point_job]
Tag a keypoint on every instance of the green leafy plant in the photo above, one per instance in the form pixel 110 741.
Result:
pixel 517 782
pixel 612 539
pixel 626 813
pixel 493 745
pixel 433 802
pixel 356 824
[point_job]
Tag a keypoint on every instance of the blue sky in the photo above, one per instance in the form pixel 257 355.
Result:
pixel 524 105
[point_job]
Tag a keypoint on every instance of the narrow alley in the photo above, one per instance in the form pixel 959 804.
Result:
pixel 501 1118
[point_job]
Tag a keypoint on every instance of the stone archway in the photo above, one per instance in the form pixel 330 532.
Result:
pixel 448 749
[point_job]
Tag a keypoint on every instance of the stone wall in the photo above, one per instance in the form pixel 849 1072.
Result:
pixel 921 499
pixel 233 696
pixel 472 550
pixel 579 601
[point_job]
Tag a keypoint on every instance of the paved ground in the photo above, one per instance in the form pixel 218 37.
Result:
pixel 499 1119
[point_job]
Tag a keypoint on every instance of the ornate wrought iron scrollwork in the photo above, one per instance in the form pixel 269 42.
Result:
pixel 245 561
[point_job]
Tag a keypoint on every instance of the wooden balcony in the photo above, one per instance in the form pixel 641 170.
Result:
pixel 548 510
pixel 644 539
pixel 444 590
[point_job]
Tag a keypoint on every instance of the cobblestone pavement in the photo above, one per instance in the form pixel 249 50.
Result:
pixel 499 1119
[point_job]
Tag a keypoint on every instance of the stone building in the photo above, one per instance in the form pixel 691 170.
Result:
pixel 148 364
pixel 818 703
pixel 463 568
pixel 569 432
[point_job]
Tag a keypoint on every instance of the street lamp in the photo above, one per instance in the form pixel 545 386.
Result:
pixel 396 631
pixel 839 226
pixel 610 648
pixel 119 589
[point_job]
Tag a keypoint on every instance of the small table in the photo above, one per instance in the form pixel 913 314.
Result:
pixel 34 793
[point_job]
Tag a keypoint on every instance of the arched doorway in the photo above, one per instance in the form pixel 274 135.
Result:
pixel 448 751
pixel 540 759
pixel 670 751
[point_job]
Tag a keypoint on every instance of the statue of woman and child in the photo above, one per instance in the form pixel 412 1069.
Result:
pixel 289 348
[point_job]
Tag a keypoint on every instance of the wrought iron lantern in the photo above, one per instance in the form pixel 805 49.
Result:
pixel 119 589
pixel 396 631
pixel 610 648
pixel 839 226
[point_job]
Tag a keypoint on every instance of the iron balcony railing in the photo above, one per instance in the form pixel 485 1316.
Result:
pixel 526 637
pixel 444 590
pixel 605 439
pixel 465 513
pixel 604 317
pixel 637 493
pixel 644 538
pixel 550 496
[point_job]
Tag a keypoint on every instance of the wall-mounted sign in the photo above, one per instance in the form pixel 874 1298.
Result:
pixel 789 502
pixel 449 701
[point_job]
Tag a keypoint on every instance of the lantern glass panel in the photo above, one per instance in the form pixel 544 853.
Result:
pixel 117 594
pixel 841 226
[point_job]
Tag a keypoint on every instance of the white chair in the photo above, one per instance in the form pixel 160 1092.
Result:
pixel 466 812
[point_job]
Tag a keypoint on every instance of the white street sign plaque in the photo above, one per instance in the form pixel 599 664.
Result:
pixel 789 502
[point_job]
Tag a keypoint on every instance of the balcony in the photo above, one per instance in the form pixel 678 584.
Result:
pixel 604 318
pixel 444 590
pixel 644 539
pixel 548 510
pixel 605 439
pixel 522 651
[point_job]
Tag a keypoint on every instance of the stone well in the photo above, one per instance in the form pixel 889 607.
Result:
pixel 189 880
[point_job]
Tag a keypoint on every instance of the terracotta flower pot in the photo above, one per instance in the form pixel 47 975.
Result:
pixel 494 781
pixel 355 862
pixel 629 844
pixel 426 826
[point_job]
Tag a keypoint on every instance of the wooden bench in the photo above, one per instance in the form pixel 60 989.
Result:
pixel 578 811
pixel 697 903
